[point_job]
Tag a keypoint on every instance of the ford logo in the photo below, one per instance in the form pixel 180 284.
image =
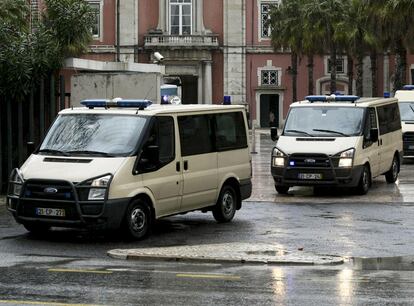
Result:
pixel 310 161
pixel 50 190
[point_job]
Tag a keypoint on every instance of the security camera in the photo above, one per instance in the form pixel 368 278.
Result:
pixel 158 56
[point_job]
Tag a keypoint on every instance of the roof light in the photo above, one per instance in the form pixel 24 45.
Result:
pixel 332 98
pixel 408 87
pixel 117 102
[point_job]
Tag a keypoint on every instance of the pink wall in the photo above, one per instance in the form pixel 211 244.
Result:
pixel 217 77
pixel 148 17
pixel 213 17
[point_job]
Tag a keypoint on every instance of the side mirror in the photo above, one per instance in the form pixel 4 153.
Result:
pixel 374 135
pixel 273 133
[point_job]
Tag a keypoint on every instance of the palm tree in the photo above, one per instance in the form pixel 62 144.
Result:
pixel 287 33
pixel 328 16
pixel 397 20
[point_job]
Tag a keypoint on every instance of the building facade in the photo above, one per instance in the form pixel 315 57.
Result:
pixel 217 48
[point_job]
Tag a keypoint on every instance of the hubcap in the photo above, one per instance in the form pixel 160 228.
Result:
pixel 138 219
pixel 228 203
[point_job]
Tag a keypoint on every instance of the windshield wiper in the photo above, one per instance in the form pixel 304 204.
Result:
pixel 52 151
pixel 301 132
pixel 90 152
pixel 332 131
pixel 412 108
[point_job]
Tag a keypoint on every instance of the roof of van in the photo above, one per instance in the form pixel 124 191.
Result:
pixel 405 95
pixel 361 102
pixel 155 109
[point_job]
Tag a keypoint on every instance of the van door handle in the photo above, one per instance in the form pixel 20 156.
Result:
pixel 380 142
pixel 186 165
pixel 177 166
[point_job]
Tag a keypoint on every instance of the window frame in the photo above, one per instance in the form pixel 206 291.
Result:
pixel 180 16
pixel 99 27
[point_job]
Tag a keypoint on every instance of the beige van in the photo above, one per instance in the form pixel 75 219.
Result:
pixel 338 141
pixel 406 101
pixel 125 163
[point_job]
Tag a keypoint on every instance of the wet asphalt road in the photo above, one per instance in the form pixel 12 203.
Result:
pixel 71 267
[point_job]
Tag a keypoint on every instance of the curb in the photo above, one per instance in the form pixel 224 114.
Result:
pixel 144 255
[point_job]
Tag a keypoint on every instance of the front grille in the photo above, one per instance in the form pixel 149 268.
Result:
pixel 408 143
pixel 309 161
pixel 56 190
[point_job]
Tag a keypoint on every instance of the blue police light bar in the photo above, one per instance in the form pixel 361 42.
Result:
pixel 332 98
pixel 129 103
pixel 408 87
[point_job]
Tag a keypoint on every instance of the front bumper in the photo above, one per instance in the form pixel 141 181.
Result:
pixel 325 171
pixel 408 144
pixel 78 212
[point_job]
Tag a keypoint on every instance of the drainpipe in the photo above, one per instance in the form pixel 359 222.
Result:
pixel 118 52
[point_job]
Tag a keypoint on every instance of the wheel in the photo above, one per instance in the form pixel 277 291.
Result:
pixel 282 189
pixel 364 181
pixel 226 205
pixel 392 174
pixel 36 228
pixel 137 220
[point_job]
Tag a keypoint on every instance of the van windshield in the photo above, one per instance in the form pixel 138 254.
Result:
pixel 93 134
pixel 324 121
pixel 407 111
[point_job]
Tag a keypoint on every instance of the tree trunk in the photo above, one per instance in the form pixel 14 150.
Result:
pixel 9 136
pixel 294 63
pixel 310 74
pixel 1 148
pixel 333 67
pixel 20 146
pixel 350 75
pixel 42 109
pixel 360 74
pixel 400 66
pixel 374 73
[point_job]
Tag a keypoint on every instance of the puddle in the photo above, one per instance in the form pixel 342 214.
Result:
pixel 268 253
pixel 399 263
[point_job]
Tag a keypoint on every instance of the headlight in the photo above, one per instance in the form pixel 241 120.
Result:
pixel 278 158
pixel 16 183
pixel 346 158
pixel 99 193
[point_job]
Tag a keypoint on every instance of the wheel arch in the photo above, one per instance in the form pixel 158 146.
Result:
pixel 233 182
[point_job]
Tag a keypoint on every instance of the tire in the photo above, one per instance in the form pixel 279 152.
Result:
pixel 137 220
pixel 392 175
pixel 282 189
pixel 364 181
pixel 37 228
pixel 226 205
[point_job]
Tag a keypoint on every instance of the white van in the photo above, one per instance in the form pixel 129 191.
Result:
pixel 125 163
pixel 338 141
pixel 406 101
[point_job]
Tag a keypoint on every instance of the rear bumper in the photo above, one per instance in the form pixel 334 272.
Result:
pixel 245 188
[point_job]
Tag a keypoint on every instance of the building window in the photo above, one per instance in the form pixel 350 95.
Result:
pixel 269 77
pixel 340 65
pixel 97 13
pixel 180 17
pixel 265 25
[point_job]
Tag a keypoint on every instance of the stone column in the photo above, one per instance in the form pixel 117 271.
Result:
pixel 128 24
pixel 234 50
pixel 208 88
pixel 162 15
pixel 200 91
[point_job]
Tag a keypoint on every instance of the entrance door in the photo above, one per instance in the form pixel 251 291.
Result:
pixel 189 93
pixel 269 110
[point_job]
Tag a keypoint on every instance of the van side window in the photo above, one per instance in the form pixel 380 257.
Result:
pixel 389 118
pixel 166 138
pixel 195 135
pixel 370 123
pixel 230 131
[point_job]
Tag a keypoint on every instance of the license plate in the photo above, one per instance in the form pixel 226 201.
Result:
pixel 53 212
pixel 310 176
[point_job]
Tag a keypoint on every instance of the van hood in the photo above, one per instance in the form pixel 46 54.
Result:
pixel 324 145
pixel 69 168
pixel 407 126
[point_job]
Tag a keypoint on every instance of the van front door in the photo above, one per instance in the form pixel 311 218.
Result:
pixel 371 149
pixel 165 180
pixel 199 162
